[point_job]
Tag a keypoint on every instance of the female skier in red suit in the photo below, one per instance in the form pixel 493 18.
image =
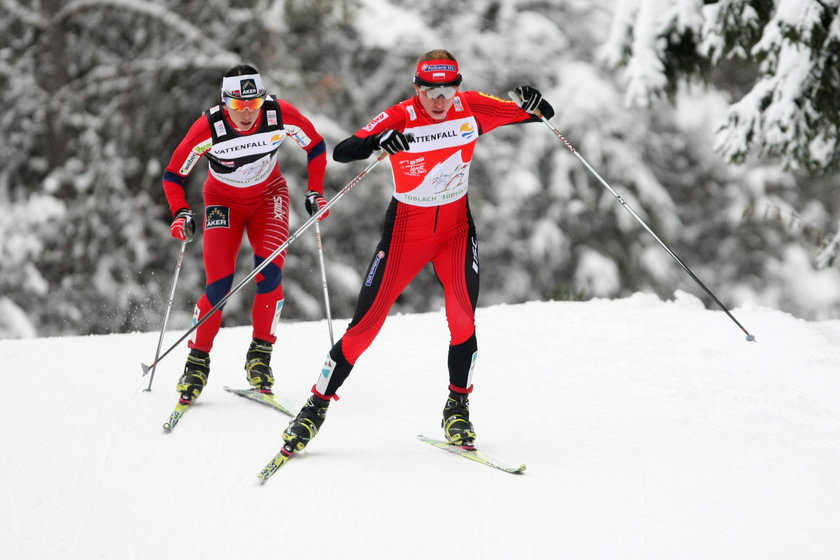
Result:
pixel 244 192
pixel 430 139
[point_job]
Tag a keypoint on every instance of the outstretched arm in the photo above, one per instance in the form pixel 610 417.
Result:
pixel 354 148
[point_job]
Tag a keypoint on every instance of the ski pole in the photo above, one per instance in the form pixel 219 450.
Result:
pixel 324 281
pixel 168 307
pixel 517 99
pixel 306 225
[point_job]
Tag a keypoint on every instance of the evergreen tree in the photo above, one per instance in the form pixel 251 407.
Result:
pixel 789 51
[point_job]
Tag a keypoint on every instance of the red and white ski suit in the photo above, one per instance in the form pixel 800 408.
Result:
pixel 428 221
pixel 244 192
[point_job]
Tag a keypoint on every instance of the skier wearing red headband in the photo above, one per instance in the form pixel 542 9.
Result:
pixel 244 192
pixel 430 139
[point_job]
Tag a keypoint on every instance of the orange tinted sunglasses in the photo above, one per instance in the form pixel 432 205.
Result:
pixel 241 104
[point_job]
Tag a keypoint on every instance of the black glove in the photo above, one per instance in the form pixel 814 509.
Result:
pixel 394 141
pixel 314 202
pixel 530 98
pixel 183 226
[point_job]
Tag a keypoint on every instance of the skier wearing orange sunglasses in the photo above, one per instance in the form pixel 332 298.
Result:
pixel 244 192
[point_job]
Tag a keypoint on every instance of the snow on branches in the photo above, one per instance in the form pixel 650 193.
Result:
pixel 789 113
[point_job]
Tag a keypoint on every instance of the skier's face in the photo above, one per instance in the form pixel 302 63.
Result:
pixel 244 119
pixel 437 101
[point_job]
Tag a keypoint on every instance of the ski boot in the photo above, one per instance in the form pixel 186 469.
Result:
pixel 195 375
pixel 456 421
pixel 257 369
pixel 307 423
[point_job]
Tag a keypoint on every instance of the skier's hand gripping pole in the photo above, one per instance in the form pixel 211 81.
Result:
pixel 519 101
pixel 306 225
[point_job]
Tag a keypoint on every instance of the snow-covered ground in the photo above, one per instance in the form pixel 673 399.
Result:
pixel 651 429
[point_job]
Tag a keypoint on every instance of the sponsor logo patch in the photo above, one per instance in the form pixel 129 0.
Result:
pixel 379 256
pixel 327 368
pixel 216 217
pixel 189 164
pixel 278 208
pixel 376 120
pixel 247 87
pixel 467 130
pixel 414 167
pixel 203 146
pixel 474 261
pixel 438 67
pixel 301 138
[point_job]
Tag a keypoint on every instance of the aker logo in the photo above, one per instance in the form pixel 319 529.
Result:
pixel 467 130
pixel 379 256
pixel 247 87
pixel 216 217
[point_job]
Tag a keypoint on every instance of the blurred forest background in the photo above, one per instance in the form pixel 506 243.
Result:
pixel 716 121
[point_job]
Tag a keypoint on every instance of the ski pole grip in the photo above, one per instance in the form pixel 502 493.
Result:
pixel 518 100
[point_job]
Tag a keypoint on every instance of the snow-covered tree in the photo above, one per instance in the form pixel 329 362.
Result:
pixel 787 53
pixel 100 92
pixel 97 94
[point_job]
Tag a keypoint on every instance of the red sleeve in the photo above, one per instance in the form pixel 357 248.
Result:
pixel 303 132
pixel 492 112
pixel 392 118
pixel 197 141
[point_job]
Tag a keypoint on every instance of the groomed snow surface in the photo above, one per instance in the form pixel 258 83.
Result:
pixel 651 429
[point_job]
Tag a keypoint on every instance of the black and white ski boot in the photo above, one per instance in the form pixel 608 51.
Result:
pixel 456 421
pixel 194 378
pixel 307 423
pixel 257 369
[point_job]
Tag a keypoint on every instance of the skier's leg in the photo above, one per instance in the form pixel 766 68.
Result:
pixel 268 228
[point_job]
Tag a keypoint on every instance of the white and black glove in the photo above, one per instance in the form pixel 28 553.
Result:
pixel 314 202
pixel 394 141
pixel 183 226
pixel 529 98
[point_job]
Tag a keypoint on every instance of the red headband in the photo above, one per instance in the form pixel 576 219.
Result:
pixel 443 71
